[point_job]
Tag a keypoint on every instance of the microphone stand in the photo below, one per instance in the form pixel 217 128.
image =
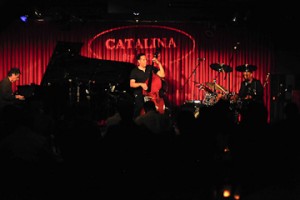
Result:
pixel 193 72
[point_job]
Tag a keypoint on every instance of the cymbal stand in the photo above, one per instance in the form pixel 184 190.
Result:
pixel 215 81
pixel 235 47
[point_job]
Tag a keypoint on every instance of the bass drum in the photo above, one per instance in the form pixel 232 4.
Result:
pixel 193 106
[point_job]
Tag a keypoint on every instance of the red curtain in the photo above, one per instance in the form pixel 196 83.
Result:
pixel 187 51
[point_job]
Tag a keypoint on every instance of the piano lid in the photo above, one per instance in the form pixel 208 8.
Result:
pixel 66 64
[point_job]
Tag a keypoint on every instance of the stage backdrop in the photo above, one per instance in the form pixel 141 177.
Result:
pixel 187 51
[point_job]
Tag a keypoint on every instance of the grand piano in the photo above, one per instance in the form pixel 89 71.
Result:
pixel 71 79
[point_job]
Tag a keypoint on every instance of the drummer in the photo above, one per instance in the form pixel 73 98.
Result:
pixel 251 89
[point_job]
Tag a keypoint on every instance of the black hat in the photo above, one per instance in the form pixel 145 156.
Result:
pixel 246 68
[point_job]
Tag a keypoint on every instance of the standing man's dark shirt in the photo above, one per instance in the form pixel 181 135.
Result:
pixel 141 77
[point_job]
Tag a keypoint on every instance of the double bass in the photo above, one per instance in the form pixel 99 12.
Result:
pixel 154 83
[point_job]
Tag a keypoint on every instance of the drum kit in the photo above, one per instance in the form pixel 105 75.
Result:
pixel 213 92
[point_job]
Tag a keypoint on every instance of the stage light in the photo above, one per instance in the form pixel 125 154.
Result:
pixel 24 18
pixel 37 13
pixel 236 17
pixel 32 15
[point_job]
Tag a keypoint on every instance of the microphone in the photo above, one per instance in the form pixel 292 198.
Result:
pixel 201 59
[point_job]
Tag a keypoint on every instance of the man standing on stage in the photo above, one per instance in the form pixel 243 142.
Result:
pixel 139 80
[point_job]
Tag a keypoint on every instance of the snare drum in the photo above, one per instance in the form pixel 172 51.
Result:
pixel 210 99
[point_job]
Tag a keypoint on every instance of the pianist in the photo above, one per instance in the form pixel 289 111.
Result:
pixel 7 97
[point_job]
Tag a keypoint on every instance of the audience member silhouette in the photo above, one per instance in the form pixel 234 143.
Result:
pixel 154 121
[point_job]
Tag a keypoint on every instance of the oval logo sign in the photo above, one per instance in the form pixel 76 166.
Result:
pixel 124 43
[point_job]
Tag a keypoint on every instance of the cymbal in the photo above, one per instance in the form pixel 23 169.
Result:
pixel 246 68
pixel 204 87
pixel 221 67
pixel 216 86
